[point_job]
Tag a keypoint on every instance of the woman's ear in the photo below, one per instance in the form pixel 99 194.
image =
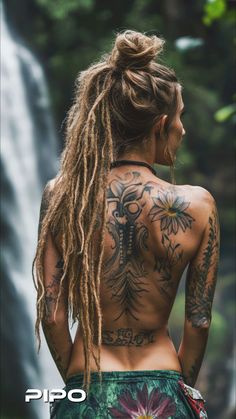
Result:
pixel 160 129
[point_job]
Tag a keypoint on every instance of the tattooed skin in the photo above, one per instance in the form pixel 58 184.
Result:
pixel 126 270
pixel 57 335
pixel 51 290
pixel 170 210
pixel 200 293
pixel 126 337
pixel 164 265
pixel 60 361
pixel 190 377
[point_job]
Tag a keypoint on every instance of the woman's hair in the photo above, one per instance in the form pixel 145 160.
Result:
pixel 117 102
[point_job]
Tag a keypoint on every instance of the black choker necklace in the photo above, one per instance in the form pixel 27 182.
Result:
pixel 118 163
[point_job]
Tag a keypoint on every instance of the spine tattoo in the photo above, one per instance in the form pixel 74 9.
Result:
pixel 124 270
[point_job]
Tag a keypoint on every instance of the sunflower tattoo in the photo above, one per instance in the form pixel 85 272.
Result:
pixel 171 211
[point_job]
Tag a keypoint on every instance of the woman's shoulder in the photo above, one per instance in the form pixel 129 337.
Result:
pixel 183 200
pixel 51 183
pixel 50 186
pixel 199 196
pixel 197 192
pixel 201 202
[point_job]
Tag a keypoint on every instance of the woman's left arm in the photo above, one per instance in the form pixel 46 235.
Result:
pixel 55 325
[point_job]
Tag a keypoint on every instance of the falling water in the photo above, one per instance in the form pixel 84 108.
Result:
pixel 28 159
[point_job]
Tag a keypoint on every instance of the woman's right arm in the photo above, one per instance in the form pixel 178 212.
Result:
pixel 199 293
pixel 55 325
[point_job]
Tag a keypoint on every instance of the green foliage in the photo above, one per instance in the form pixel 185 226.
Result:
pixel 219 329
pixel 213 9
pixel 60 9
pixel 226 113
pixel 139 17
pixel 176 320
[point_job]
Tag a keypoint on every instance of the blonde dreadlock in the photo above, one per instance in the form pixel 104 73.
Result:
pixel 117 102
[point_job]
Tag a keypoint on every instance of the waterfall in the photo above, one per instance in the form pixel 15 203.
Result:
pixel 28 159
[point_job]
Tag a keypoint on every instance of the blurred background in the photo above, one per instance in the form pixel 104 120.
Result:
pixel 45 43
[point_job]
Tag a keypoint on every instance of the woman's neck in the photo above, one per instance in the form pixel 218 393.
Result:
pixel 143 157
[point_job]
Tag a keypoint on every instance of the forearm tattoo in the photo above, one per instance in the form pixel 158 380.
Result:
pixel 126 337
pixel 58 337
pixel 201 279
pixel 191 375
pixel 64 347
pixel 52 289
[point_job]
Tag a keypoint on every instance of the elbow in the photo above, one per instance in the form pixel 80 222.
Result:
pixel 48 322
pixel 200 323
pixel 52 321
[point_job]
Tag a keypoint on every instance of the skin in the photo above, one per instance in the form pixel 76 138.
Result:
pixel 154 231
pixel 55 328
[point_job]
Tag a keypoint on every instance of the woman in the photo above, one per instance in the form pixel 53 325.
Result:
pixel 115 239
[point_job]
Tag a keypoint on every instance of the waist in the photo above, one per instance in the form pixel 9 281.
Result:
pixel 124 353
pixel 128 376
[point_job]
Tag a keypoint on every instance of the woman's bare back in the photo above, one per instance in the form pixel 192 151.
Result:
pixel 153 230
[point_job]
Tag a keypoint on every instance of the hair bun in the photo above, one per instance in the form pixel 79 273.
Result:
pixel 135 50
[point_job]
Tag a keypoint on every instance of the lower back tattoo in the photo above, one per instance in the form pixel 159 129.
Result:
pixel 126 337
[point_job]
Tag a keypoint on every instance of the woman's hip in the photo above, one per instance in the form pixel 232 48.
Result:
pixel 132 394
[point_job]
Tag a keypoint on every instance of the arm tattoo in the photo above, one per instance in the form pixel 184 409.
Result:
pixel 191 376
pixel 126 337
pixel 52 289
pixel 59 341
pixel 201 281
pixel 64 347
pixel 57 336
pixel 53 348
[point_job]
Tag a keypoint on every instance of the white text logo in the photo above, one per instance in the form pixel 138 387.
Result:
pixel 75 395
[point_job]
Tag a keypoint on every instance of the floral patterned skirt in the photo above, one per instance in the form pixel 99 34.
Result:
pixel 156 394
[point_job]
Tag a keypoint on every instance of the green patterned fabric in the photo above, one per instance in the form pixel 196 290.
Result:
pixel 132 395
